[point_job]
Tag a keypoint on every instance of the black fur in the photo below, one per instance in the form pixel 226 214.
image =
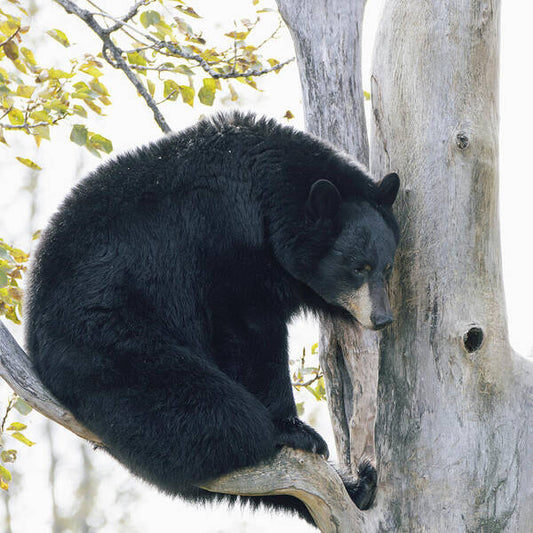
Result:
pixel 161 290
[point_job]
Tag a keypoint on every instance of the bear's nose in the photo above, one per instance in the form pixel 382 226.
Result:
pixel 380 321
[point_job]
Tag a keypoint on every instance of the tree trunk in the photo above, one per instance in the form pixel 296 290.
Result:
pixel 327 38
pixel 454 428
pixel 454 431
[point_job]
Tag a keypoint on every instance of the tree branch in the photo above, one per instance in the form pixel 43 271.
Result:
pixel 177 51
pixel 17 371
pixel 117 61
pixel 128 16
pixel 303 475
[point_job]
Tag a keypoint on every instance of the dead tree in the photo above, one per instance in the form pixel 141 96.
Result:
pixel 454 432
pixel 454 403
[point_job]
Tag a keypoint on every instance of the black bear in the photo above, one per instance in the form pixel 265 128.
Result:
pixel 161 290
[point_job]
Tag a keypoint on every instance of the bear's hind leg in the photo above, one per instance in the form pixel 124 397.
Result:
pixel 176 426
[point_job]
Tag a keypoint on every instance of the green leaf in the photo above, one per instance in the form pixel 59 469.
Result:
pixel 366 94
pixel 99 142
pixel 314 348
pixel 18 255
pixel 315 393
pixel 80 110
pixel 59 36
pixel 206 95
pixel 21 438
pixel 34 237
pixel 57 74
pixel 79 134
pixel 150 17
pixel 184 69
pixel 40 116
pixel 135 58
pixel 28 56
pixel 91 105
pixel 237 35
pixel 16 426
pixel 91 70
pixel 210 83
pixel 4 280
pixel 22 407
pixel 42 131
pixel 171 90
pixel 28 162
pixel 98 87
pixel 187 93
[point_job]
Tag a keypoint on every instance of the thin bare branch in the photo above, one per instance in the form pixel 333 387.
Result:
pixel 128 16
pixel 115 58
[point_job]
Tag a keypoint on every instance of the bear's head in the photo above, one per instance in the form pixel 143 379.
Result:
pixel 353 272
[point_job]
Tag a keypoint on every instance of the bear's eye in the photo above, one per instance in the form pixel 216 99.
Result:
pixel 362 269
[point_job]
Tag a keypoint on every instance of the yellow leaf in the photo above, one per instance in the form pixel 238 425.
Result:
pixel 5 473
pixel 29 163
pixel 16 426
pixel 187 93
pixel 28 55
pixel 20 437
pixel 18 255
pixel 25 91
pixel 16 117
pixel 233 92
pixel 59 36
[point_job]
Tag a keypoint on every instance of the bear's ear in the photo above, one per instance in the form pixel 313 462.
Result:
pixel 387 189
pixel 323 201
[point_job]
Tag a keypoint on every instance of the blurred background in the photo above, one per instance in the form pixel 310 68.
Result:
pixel 61 484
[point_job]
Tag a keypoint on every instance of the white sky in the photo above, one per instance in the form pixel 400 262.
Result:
pixel 281 92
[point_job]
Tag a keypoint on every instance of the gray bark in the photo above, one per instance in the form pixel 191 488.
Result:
pixel 327 39
pixel 454 429
pixel 454 423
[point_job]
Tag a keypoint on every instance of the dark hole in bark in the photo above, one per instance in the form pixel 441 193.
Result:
pixel 473 339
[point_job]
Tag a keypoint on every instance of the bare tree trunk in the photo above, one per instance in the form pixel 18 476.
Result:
pixel 327 38
pixel 454 426
pixel 454 429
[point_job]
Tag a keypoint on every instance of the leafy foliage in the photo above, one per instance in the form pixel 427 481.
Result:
pixel 33 96
pixel 13 430
pixel 12 265
pixel 156 44
pixel 309 376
